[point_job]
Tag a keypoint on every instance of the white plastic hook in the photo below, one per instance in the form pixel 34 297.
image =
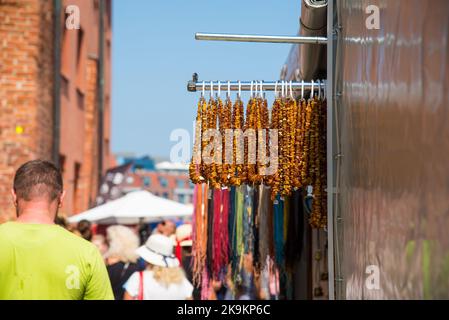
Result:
pixel 291 90
pixel 302 89
pixel 276 93
pixel 261 88
pixel 312 91
pixel 319 88
pixel 211 89
pixel 251 89
pixel 219 90
pixel 204 89
pixel 229 89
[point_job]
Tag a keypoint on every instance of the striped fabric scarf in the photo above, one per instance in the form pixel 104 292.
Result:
pixel 238 240
pixel 220 233
pixel 265 224
pixel 279 231
pixel 199 232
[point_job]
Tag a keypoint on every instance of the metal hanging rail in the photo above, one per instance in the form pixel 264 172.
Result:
pixel 260 38
pixel 195 85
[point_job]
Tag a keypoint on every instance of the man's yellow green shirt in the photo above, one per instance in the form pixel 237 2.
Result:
pixel 47 262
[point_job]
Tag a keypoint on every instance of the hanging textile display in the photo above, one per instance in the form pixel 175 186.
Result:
pixel 243 211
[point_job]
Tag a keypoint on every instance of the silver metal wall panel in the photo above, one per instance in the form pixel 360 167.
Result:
pixel 393 133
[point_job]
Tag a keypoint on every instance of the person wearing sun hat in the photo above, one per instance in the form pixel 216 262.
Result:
pixel 183 239
pixel 184 253
pixel 163 278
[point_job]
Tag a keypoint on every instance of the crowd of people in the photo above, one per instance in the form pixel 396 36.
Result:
pixel 44 257
pixel 140 267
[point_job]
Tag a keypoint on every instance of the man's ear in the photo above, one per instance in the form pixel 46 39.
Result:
pixel 61 198
pixel 14 197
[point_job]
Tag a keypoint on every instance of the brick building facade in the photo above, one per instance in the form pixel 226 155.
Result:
pixel 35 124
pixel 170 185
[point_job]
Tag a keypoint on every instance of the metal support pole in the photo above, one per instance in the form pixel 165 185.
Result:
pixel 330 151
pixel 260 38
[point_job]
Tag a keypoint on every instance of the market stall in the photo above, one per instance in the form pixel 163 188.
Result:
pixel 134 208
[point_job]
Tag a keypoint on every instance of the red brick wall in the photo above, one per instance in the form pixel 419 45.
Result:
pixel 26 90
pixel 79 125
pixel 26 71
pixel 89 173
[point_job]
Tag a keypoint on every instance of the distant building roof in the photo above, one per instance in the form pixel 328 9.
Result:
pixel 142 163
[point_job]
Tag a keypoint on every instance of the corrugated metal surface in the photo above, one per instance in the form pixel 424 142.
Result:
pixel 394 135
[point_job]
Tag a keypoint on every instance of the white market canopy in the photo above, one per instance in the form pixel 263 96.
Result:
pixel 134 207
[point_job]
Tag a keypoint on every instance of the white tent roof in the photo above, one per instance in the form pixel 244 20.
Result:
pixel 134 207
pixel 165 165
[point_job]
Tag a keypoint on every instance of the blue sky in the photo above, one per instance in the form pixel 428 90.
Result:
pixel 155 54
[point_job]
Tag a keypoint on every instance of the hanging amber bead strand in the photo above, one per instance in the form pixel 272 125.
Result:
pixel 302 129
pixel 206 142
pixel 256 124
pixel 274 180
pixel 260 140
pixel 195 163
pixel 204 126
pixel 315 218
pixel 292 118
pixel 306 145
pixel 226 125
pixel 252 167
pixel 298 148
pixel 219 146
pixel 313 142
pixel 212 167
pixel 263 161
pixel 249 121
pixel 293 123
pixel 284 146
pixel 237 126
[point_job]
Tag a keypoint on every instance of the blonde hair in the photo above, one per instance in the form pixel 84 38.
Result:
pixel 123 243
pixel 168 276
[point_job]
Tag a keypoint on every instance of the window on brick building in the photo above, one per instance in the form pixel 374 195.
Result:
pixel 80 99
pixel 181 198
pixel 65 86
pixel 180 183
pixel 165 195
pixel 107 146
pixel 81 61
pixel 80 46
pixel 62 164
pixel 146 181
pixel 163 182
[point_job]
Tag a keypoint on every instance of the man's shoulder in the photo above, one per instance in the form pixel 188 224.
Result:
pixel 75 239
pixel 64 237
pixel 5 225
